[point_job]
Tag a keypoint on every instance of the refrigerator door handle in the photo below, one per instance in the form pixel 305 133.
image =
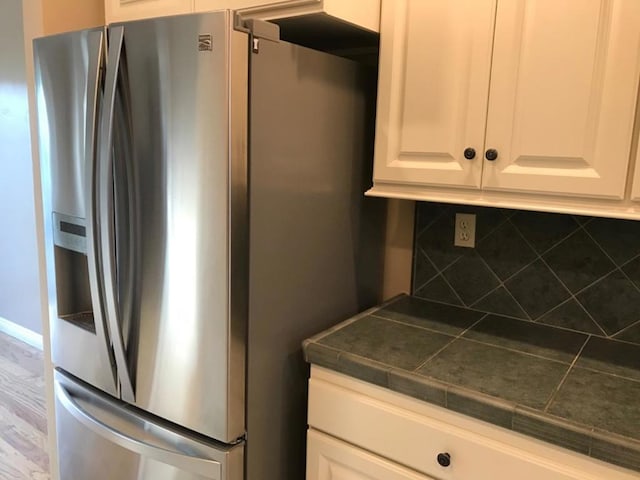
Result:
pixel 106 201
pixel 205 467
pixel 94 85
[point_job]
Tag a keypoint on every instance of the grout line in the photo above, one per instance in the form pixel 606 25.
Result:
pixel 561 283
pixel 440 273
pixel 557 390
pixel 519 304
pixel 448 304
pixel 490 269
pixel 598 280
pixel 587 222
pixel 600 247
pixel 415 370
pixel 430 357
pixel 503 221
pixel 515 350
pixel 387 367
pixel 623 330
pixel 434 220
pixel 472 325
pixel 604 333
pixel 554 245
pixel 451 287
pixel 627 277
pixel 485 295
pixel 573 297
pixel 406 324
pixel 521 269
pixel 420 250
pixel 617 375
pixel 624 264
pixel 618 267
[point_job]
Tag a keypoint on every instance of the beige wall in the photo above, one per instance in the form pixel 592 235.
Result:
pixel 68 15
pixel 398 248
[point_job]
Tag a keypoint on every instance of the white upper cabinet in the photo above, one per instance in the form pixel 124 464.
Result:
pixel 562 100
pixel 548 86
pixel 435 58
pixel 361 13
pixel 125 10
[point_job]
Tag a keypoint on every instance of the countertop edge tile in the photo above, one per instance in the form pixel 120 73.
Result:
pixel 557 431
pixel 419 387
pixel 363 369
pixel 615 449
pixel 321 354
pixel 325 333
pixel 481 406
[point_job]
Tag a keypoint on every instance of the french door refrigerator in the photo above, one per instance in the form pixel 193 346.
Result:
pixel 203 197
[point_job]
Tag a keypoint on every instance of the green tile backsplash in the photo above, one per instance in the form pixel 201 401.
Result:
pixel 580 273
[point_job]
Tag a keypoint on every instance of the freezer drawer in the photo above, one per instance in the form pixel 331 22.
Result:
pixel 103 439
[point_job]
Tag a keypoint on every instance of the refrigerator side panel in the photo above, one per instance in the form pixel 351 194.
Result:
pixel 102 439
pixel 184 340
pixel 68 72
pixel 315 240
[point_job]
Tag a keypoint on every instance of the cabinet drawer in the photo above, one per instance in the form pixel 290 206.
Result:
pixel 415 440
pixel 332 459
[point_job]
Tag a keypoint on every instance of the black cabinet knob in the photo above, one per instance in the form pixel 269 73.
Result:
pixel 491 154
pixel 444 459
pixel 469 153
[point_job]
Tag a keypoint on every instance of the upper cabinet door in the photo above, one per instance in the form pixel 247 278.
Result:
pixel 125 10
pixel 435 58
pixel 563 86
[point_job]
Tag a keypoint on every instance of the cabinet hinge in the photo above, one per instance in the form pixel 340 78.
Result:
pixel 257 29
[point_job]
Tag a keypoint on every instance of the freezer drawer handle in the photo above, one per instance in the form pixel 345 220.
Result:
pixel 200 466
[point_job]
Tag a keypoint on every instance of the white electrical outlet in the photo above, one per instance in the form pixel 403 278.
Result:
pixel 465 231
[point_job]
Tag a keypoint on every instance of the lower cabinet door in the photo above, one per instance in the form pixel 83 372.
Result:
pixel 331 459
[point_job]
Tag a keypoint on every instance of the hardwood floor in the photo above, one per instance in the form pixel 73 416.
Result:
pixel 23 421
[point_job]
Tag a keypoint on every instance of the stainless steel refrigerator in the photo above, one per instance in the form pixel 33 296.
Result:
pixel 203 194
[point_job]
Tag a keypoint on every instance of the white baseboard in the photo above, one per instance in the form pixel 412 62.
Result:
pixel 21 333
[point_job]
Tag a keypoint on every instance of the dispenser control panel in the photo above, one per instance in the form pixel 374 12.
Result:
pixel 70 232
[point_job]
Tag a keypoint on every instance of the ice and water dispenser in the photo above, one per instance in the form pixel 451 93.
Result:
pixel 71 270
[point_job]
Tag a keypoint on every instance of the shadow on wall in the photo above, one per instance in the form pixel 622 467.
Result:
pixel 19 283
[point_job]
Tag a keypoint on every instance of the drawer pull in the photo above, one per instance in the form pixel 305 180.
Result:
pixel 444 459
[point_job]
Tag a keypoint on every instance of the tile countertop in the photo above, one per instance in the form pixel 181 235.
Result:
pixel 574 390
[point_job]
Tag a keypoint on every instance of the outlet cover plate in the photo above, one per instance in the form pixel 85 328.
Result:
pixel 465 231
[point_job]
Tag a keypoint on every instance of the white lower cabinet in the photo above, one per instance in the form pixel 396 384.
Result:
pixel 360 431
pixel 332 459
